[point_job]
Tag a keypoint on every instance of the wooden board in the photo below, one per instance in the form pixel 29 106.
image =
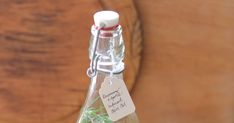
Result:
pixel 44 56
pixel 187 73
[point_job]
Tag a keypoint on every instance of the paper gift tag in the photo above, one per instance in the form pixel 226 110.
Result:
pixel 116 98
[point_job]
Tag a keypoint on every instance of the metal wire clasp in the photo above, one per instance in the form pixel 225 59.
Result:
pixel 92 70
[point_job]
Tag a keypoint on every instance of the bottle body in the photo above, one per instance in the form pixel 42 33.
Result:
pixel 110 53
pixel 93 110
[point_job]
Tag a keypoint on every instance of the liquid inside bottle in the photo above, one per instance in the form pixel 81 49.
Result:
pixel 110 49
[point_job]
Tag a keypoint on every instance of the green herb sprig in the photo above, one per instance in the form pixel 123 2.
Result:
pixel 94 115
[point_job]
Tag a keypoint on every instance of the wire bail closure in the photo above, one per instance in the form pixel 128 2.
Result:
pixel 92 70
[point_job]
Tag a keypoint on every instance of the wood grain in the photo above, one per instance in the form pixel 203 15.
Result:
pixel 43 58
pixel 187 73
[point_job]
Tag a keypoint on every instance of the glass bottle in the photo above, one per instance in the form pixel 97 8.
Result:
pixel 106 52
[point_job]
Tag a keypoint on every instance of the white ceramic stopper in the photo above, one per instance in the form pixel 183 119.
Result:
pixel 109 18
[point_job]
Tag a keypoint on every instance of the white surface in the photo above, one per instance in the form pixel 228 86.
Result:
pixel 109 18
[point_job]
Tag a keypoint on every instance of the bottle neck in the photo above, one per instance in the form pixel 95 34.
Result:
pixel 110 48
